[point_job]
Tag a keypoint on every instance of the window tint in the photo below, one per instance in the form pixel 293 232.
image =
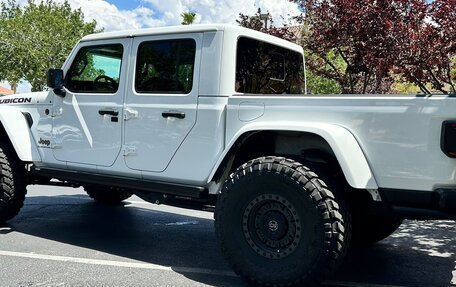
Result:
pixel 96 69
pixel 165 66
pixel 263 68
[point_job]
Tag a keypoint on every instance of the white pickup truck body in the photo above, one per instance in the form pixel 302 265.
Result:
pixel 190 138
pixel 387 141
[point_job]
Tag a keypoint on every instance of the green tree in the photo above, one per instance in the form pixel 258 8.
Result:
pixel 188 18
pixel 37 37
pixel 8 63
pixel 321 85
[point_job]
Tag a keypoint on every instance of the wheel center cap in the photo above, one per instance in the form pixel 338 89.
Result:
pixel 273 225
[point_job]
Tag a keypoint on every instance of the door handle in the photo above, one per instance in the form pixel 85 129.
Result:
pixel 109 112
pixel 173 114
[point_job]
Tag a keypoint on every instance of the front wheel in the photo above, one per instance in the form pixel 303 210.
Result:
pixel 12 183
pixel 279 224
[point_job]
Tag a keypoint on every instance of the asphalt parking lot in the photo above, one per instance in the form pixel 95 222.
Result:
pixel 62 238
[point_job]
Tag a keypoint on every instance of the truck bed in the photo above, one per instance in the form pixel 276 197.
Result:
pixel 400 135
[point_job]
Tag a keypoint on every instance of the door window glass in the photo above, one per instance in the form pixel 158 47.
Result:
pixel 96 69
pixel 165 66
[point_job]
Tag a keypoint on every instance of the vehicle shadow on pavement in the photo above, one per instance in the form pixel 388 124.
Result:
pixel 157 237
pixel 418 254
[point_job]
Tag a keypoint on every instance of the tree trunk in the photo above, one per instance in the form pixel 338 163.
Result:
pixel 13 87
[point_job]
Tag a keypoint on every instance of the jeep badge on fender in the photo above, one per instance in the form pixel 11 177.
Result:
pixel 44 142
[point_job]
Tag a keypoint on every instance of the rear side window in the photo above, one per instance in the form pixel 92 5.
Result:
pixel 263 68
pixel 165 67
pixel 96 69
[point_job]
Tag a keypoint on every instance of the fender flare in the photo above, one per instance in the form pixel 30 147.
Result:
pixel 346 148
pixel 19 134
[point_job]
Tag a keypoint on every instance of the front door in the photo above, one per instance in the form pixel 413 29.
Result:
pixel 87 122
pixel 161 105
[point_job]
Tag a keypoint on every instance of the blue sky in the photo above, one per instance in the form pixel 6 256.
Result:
pixel 127 14
pixel 125 5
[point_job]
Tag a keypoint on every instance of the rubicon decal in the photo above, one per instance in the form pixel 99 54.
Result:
pixel 16 101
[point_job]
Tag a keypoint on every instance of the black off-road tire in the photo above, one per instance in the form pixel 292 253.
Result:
pixel 107 194
pixel 13 183
pixel 369 229
pixel 279 224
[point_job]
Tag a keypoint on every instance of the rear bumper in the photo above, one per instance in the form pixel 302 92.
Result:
pixel 412 204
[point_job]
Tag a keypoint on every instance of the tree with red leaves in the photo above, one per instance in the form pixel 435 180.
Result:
pixel 426 45
pixel 362 43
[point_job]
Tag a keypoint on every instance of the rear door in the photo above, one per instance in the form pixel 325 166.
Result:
pixel 161 105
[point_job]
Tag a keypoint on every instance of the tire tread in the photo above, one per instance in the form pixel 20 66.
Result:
pixel 317 190
pixel 13 183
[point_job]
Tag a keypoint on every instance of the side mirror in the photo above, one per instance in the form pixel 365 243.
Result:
pixel 55 81
pixel 55 78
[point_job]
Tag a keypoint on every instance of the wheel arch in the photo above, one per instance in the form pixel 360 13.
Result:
pixel 322 141
pixel 15 129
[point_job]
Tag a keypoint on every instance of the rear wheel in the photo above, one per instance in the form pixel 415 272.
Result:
pixel 12 183
pixel 107 194
pixel 279 224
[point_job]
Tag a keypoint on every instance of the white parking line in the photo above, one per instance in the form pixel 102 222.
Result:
pixel 116 263
pixel 150 266
pixel 453 280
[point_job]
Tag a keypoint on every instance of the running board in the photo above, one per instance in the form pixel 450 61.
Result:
pixel 81 178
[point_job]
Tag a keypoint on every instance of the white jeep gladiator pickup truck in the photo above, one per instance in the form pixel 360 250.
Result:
pixel 217 116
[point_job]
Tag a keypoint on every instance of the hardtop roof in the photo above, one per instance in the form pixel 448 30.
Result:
pixel 197 28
